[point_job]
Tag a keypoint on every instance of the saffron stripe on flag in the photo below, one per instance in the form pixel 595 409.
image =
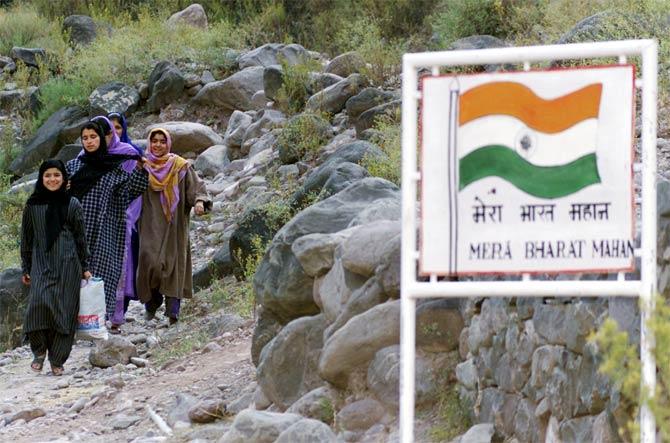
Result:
pixel 539 181
pixel 517 100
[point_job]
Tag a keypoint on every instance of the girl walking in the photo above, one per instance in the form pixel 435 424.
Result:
pixel 54 259
pixel 103 183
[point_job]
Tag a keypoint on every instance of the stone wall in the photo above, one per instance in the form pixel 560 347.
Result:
pixel 529 369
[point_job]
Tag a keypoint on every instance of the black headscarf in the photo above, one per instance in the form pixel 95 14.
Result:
pixel 96 163
pixel 58 201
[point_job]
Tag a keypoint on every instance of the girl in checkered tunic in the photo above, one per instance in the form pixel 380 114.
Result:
pixel 105 185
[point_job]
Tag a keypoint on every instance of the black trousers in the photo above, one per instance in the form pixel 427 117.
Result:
pixel 58 346
pixel 172 305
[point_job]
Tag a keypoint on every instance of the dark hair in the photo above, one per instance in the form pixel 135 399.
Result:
pixel 103 125
pixel 95 125
pixel 115 116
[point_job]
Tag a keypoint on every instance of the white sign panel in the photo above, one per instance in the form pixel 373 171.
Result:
pixel 527 172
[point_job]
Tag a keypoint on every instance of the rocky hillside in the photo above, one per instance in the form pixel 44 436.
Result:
pixel 293 335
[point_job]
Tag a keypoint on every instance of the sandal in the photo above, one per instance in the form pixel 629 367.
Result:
pixel 115 329
pixel 57 370
pixel 38 363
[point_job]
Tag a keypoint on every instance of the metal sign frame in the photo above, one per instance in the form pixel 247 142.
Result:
pixel 413 289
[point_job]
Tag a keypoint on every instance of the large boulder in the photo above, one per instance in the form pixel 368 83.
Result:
pixel 266 121
pixel 282 380
pixel 333 98
pixel 383 376
pixel 280 283
pixel 81 29
pixel 258 426
pixel 438 325
pixel 220 265
pixel 480 42
pixel 166 84
pixel 604 26
pixel 273 80
pixel 114 97
pixel 237 126
pixel 212 160
pixel 7 64
pixel 272 54
pixel 368 118
pixel 366 246
pixel 189 136
pixel 307 430
pixel 13 299
pixel 319 404
pixel 346 64
pixel 234 92
pixel 336 172
pixel 356 343
pixel 194 15
pixel 61 128
pixel 366 99
pixel 11 99
pixel 32 57
pixel 360 415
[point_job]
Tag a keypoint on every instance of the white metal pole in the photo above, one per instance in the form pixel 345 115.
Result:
pixel 648 274
pixel 408 245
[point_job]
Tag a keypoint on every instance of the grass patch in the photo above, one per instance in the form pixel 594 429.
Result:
pixel 187 342
pixel 294 92
pixel 23 26
pixel 452 419
pixel 388 139
pixel 302 137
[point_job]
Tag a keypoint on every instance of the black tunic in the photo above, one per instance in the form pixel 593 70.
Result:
pixel 55 274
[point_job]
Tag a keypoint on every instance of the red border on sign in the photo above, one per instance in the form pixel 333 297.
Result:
pixel 630 268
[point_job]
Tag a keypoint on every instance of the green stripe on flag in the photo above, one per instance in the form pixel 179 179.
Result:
pixel 540 181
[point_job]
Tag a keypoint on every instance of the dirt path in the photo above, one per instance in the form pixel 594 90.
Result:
pixel 116 398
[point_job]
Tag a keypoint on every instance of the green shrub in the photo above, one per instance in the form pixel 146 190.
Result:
pixel 302 137
pixel 382 54
pixel 462 18
pixel 388 139
pixel 23 26
pixel 54 94
pixel 621 362
pixel 294 92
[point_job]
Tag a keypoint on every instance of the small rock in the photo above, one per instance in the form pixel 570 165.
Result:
pixel 139 362
pixel 26 415
pixel 78 405
pixel 211 347
pixel 62 384
pixel 116 382
pixel 206 411
pixel 122 421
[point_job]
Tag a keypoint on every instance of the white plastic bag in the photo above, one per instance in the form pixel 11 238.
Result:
pixel 91 318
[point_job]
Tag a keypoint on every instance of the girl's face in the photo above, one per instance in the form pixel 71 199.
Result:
pixel 158 144
pixel 117 127
pixel 90 140
pixel 52 179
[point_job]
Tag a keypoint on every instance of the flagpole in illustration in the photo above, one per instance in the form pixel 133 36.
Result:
pixel 452 172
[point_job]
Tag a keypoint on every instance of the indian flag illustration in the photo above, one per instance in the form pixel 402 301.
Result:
pixel 506 130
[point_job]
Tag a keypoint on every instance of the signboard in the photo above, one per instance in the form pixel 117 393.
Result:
pixel 534 169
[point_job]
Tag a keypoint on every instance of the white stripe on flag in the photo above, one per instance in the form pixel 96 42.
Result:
pixel 545 150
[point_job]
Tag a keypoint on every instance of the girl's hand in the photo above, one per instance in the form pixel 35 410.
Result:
pixel 25 279
pixel 139 164
pixel 87 275
pixel 199 207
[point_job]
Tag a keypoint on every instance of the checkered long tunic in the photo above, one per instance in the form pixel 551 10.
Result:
pixel 105 219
